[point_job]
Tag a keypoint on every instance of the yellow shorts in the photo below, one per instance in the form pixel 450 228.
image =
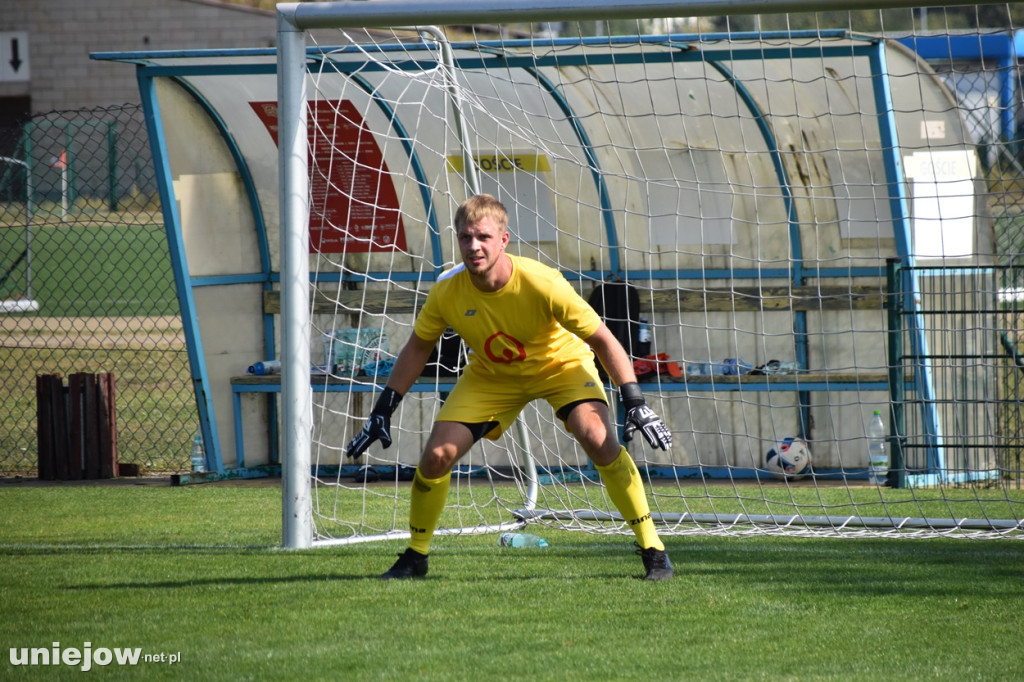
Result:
pixel 479 398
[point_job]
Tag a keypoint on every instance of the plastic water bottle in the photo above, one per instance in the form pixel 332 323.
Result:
pixel 198 454
pixel 521 540
pixel 643 337
pixel 785 367
pixel 697 369
pixel 878 451
pixel 789 367
pixel 267 367
pixel 718 368
pixel 734 367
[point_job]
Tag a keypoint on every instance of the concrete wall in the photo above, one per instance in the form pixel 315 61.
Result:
pixel 62 34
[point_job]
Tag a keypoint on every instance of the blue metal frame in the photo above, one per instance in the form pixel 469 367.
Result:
pixel 179 265
pixel 197 363
pixel 903 238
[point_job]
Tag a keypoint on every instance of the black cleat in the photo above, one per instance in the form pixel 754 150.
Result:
pixel 656 563
pixel 410 564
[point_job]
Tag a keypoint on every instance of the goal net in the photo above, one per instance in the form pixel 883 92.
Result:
pixel 788 229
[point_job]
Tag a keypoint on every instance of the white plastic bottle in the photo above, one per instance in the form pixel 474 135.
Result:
pixel 878 451
pixel 198 454
pixel 266 367
pixel 521 540
pixel 644 338
pixel 697 369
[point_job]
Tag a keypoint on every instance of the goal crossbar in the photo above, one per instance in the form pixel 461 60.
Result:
pixel 397 13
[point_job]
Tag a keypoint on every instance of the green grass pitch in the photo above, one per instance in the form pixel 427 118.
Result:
pixel 195 572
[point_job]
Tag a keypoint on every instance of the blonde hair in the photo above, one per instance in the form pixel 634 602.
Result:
pixel 478 207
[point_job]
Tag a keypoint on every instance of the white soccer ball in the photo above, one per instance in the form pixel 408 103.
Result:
pixel 789 459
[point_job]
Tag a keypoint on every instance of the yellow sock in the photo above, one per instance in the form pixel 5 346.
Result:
pixel 426 505
pixel 626 490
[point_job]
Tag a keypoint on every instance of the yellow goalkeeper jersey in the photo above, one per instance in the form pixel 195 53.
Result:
pixel 532 325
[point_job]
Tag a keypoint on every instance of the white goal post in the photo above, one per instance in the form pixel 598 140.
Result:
pixel 657 206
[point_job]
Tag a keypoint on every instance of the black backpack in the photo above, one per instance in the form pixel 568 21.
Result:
pixel 618 304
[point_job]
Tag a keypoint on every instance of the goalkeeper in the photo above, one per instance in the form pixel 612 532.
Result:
pixel 530 336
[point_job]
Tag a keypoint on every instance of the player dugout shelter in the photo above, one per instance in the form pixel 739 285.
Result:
pixel 757 160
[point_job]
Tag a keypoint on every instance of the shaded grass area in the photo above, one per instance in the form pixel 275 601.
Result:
pixel 193 571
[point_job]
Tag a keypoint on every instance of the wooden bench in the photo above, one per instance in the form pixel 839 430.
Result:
pixel 681 300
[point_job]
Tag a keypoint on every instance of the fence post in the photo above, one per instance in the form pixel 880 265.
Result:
pixel 112 198
pixel 894 310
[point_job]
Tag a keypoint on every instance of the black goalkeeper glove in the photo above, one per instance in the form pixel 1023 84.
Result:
pixel 640 417
pixel 377 426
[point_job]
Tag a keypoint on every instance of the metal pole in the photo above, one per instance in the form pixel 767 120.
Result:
pixel 28 231
pixel 392 13
pixel 28 222
pixel 112 198
pixel 296 391
pixel 897 421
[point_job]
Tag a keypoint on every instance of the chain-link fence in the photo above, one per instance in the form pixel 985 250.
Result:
pixel 996 128
pixel 86 283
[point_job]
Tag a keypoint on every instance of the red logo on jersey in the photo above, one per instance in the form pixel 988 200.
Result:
pixel 504 349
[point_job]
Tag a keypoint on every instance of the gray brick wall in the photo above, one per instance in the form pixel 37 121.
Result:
pixel 62 34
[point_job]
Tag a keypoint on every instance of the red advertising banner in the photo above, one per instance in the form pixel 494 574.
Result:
pixel 353 202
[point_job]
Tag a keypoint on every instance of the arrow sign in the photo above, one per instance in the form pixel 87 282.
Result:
pixel 14 56
pixel 15 59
